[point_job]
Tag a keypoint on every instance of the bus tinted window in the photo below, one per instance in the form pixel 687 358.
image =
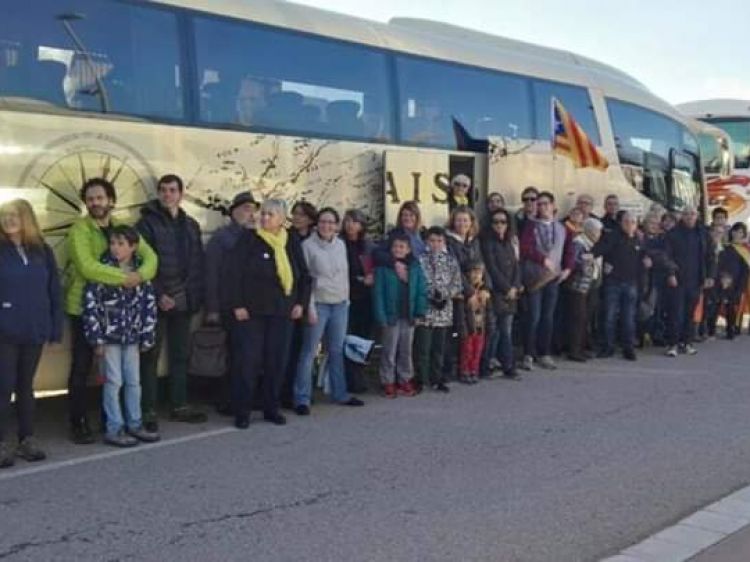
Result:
pixel 287 82
pixel 91 55
pixel 433 94
pixel 647 139
pixel 739 131
pixel 576 101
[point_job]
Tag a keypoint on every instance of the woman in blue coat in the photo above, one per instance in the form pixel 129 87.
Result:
pixel 30 316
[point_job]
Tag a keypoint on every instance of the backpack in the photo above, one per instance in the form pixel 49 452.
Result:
pixel 208 352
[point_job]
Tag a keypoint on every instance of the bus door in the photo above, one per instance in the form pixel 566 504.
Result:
pixel 422 176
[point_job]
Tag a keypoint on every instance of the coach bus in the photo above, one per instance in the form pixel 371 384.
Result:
pixel 733 117
pixel 300 103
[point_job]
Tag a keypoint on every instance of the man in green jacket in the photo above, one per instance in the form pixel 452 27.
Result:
pixel 87 240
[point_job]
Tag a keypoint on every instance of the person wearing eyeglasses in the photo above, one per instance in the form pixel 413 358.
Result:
pixel 546 262
pixel 528 210
pixel 460 192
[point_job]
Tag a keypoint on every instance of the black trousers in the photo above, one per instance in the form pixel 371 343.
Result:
pixel 18 363
pixel 681 303
pixel 260 350
pixel 578 322
pixel 360 324
pixel 80 368
pixel 296 329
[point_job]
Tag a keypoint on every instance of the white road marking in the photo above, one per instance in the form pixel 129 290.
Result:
pixel 48 467
pixel 694 534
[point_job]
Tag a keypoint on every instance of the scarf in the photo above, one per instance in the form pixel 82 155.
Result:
pixel 283 267
pixel 461 199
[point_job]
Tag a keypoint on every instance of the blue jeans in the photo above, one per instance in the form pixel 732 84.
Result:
pixel 620 300
pixel 540 310
pixel 331 328
pixel 121 365
pixel 503 337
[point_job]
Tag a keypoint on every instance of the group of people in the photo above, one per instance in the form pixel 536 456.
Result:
pixel 446 303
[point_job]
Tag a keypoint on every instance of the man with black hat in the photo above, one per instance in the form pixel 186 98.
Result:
pixel 243 212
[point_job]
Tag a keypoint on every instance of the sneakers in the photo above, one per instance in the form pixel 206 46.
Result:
pixel 7 459
pixel 527 363
pixel 474 379
pixel 120 439
pixel 546 362
pixel 494 365
pixel 629 354
pixel 688 349
pixel 186 414
pixel 389 390
pixel 671 351
pixel 441 387
pixel 302 410
pixel 143 435
pixel 80 432
pixel 29 451
pixel 353 401
pixel 406 389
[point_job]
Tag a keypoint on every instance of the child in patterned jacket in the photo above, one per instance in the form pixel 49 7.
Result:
pixel 119 323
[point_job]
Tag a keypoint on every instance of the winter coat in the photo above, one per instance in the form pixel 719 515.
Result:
pixel 359 258
pixel 733 265
pixel 388 292
pixel 252 280
pixel 465 252
pixel 119 315
pixel 444 283
pixel 177 242
pixel 623 256
pixel 30 296
pixel 217 251
pixel 503 270
pixel 586 272
pixel 693 267
pixel 86 243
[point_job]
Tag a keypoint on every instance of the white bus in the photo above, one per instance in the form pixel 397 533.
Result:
pixel 299 103
pixel 732 190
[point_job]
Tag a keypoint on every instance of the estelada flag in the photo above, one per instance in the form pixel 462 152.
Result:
pixel 569 140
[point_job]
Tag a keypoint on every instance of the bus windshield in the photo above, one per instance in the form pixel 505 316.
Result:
pixel 739 131
pixel 715 155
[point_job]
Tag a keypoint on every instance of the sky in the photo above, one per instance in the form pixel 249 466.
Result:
pixel 682 50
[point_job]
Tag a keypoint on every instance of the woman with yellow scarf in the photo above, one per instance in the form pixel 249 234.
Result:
pixel 268 287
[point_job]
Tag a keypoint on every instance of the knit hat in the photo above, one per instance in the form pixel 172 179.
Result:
pixel 590 226
pixel 240 199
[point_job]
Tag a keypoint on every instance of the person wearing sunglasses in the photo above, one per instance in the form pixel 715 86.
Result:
pixel 504 275
pixel 460 192
pixel 528 209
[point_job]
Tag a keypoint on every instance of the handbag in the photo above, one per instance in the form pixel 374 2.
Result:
pixel 535 276
pixel 208 352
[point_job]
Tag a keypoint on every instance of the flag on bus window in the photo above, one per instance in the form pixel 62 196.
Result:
pixel 569 140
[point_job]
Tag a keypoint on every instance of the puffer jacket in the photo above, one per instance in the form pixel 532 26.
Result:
pixel 119 315
pixel 177 242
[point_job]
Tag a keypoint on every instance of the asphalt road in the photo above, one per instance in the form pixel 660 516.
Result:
pixel 570 466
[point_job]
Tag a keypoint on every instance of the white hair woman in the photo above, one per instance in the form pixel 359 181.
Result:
pixel 268 286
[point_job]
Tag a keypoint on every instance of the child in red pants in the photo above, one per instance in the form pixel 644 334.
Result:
pixel 473 325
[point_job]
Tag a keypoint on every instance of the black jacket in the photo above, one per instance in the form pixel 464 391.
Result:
pixel 177 243
pixel 623 254
pixel 253 283
pixel 500 262
pixel 732 264
pixel 696 265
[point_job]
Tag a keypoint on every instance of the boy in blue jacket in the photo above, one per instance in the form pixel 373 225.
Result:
pixel 119 323
pixel 397 303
